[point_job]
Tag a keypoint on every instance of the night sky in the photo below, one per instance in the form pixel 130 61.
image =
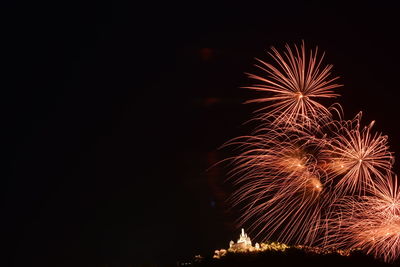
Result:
pixel 112 113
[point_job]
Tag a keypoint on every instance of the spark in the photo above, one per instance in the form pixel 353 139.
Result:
pixel 294 85
pixel 363 156
pixel 306 176
pixel 371 222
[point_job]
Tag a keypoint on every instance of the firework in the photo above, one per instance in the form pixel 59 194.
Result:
pixel 278 178
pixel 356 157
pixel 304 177
pixel 370 223
pixel 294 85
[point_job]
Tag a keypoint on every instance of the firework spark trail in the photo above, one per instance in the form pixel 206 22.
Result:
pixel 356 156
pixel 293 211
pixel 293 86
pixel 303 177
pixel 370 222
pixel 279 179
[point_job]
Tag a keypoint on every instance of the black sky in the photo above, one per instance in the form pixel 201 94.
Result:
pixel 112 112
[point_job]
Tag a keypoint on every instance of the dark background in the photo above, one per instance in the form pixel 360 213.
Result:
pixel 111 114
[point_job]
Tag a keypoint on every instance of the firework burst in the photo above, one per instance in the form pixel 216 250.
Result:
pixel 294 85
pixel 356 156
pixel 306 178
pixel 278 178
pixel 371 222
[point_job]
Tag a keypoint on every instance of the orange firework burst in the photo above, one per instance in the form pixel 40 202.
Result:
pixel 306 178
pixel 371 222
pixel 281 185
pixel 294 85
pixel 357 156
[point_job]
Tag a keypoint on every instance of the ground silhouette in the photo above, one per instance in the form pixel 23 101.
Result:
pixel 292 257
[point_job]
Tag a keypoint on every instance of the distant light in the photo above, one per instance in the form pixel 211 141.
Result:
pixel 206 53
pixel 212 203
pixel 210 101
